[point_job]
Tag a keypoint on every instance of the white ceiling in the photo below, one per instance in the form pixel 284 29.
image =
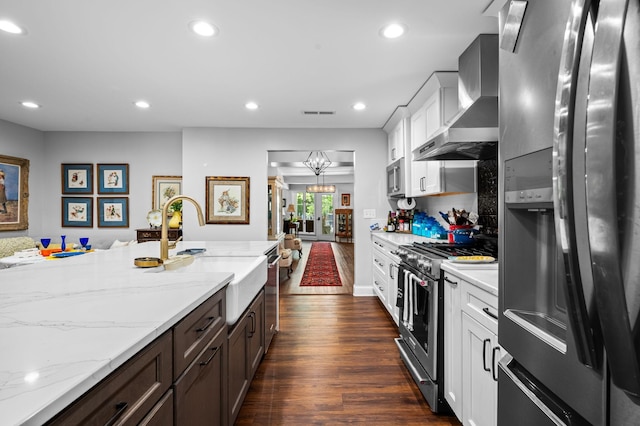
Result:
pixel 86 62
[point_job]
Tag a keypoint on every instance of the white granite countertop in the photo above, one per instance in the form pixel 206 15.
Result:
pixel 66 324
pixel 484 276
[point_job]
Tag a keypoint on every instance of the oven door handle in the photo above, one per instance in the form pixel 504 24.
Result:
pixel 405 357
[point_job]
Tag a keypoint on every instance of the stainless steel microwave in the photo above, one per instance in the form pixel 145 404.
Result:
pixel 395 179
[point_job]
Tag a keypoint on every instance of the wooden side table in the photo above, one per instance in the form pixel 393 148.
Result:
pixel 153 234
pixel 293 228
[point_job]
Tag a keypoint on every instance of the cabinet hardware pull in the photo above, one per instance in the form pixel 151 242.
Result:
pixel 213 355
pixel 488 312
pixel 121 407
pixel 210 321
pixel 453 283
pixel 484 354
pixel 252 315
pixel 494 366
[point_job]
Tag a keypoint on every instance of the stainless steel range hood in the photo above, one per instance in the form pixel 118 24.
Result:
pixel 472 134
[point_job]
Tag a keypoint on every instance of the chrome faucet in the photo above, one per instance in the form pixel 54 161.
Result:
pixel 165 245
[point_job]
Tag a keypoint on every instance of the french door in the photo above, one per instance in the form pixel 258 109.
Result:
pixel 315 212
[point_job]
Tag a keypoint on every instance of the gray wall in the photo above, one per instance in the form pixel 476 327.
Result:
pixel 244 152
pixel 147 154
pixel 194 153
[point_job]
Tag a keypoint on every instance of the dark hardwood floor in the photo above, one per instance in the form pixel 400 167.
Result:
pixel 334 362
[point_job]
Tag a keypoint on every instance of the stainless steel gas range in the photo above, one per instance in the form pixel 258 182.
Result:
pixel 420 301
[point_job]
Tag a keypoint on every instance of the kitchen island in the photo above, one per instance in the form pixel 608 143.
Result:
pixel 66 324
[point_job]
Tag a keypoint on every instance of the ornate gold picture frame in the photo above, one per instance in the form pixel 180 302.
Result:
pixel 227 200
pixel 14 193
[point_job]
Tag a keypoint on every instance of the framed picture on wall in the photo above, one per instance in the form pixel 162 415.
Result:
pixel 113 212
pixel 227 200
pixel 346 199
pixel 113 178
pixel 77 178
pixel 163 188
pixel 77 212
pixel 14 193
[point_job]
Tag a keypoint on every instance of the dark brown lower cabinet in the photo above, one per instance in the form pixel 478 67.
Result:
pixel 129 393
pixel 245 349
pixel 192 357
pixel 200 391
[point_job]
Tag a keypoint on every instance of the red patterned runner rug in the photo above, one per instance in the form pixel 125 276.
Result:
pixel 321 269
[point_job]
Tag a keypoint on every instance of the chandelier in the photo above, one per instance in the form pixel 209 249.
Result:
pixel 317 188
pixel 318 162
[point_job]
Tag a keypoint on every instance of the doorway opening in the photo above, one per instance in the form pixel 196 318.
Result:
pixel 311 215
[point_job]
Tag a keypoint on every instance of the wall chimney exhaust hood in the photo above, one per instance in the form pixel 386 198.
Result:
pixel 472 134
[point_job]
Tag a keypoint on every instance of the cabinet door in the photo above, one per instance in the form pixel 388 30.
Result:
pixel 425 175
pixel 201 389
pixel 256 333
pixel 380 286
pixel 480 351
pixel 433 114
pixel 433 179
pixel 380 275
pixel 453 343
pixel 392 292
pixel 239 374
pixel 418 128
pixel 246 347
pixel 396 142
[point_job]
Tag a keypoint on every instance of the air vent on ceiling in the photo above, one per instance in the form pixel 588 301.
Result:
pixel 318 112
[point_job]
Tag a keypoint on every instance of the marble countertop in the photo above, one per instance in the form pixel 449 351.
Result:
pixel 481 275
pixel 400 238
pixel 66 324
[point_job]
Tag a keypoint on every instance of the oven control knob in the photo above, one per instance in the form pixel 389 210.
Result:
pixel 412 257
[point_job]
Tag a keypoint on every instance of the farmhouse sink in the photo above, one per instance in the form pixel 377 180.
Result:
pixel 250 275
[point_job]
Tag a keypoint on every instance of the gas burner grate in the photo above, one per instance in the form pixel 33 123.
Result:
pixel 446 250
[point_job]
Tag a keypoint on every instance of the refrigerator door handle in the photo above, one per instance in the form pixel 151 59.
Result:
pixel 620 341
pixel 562 182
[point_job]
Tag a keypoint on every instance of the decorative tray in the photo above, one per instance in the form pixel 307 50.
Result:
pixel 472 259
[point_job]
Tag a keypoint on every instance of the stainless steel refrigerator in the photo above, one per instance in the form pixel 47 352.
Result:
pixel 569 324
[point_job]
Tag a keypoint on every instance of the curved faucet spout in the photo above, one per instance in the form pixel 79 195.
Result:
pixel 164 232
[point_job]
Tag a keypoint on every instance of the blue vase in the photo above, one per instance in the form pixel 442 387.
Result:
pixel 63 246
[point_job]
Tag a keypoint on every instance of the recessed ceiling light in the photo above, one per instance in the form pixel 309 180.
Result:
pixel 251 105
pixel 10 27
pixel 203 28
pixel 30 104
pixel 393 30
pixel 359 106
pixel 142 104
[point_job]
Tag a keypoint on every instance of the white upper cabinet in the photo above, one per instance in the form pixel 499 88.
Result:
pixel 431 108
pixel 397 130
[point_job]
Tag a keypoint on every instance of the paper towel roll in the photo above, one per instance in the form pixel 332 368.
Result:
pixel 406 203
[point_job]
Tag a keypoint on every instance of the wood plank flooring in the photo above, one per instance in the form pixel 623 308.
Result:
pixel 334 362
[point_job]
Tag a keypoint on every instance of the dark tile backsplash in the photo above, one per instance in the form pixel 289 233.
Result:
pixel 488 196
